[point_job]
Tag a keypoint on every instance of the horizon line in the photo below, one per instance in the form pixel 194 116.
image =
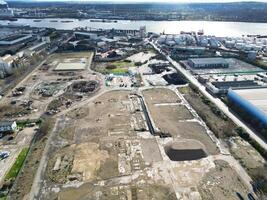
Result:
pixel 131 2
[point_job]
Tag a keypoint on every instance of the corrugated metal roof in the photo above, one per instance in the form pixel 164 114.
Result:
pixel 257 97
pixel 208 60
pixel 6 123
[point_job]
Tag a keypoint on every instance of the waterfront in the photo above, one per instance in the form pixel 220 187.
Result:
pixel 169 27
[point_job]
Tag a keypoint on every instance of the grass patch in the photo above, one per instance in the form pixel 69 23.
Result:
pixel 119 67
pixel 215 119
pixel 184 90
pixel 25 123
pixel 13 172
pixel 26 177
pixel 3 198
pixel 119 71
pixel 123 64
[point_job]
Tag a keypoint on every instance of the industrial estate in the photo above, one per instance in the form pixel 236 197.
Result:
pixel 130 114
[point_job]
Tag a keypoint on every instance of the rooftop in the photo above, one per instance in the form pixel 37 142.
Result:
pixel 13 37
pixel 8 58
pixel 235 84
pixel 257 97
pixel 208 60
pixel 37 46
pixel 70 66
pixel 6 123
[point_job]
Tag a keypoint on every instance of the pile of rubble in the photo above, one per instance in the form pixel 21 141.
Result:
pixel 84 86
pixel 18 91
pixel 48 89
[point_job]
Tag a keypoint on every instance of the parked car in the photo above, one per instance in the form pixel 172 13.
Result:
pixel 4 155
pixel 251 197
pixel 239 196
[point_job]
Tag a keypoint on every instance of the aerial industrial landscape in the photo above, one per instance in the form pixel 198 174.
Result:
pixel 93 107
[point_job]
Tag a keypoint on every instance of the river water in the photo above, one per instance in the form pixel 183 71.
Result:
pixel 169 27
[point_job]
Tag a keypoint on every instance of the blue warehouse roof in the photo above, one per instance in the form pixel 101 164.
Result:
pixel 254 101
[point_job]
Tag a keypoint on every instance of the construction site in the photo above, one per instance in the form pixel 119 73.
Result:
pixel 123 154
pixel 114 130
pixel 43 93
pixel 42 89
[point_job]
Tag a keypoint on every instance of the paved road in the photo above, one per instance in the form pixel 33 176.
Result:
pixel 216 101
pixel 7 163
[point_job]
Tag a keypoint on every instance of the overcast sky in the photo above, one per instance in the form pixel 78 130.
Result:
pixel 165 1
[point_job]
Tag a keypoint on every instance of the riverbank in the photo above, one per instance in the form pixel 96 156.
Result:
pixel 223 28
pixel 129 19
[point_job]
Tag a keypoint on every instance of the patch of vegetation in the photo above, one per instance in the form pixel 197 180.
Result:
pixel 13 172
pixel 243 134
pixel 3 198
pixel 25 179
pixel 111 67
pixel 119 71
pixel 28 122
pixel 215 119
pixel 123 63
pixel 12 111
pixel 259 175
pixel 184 90
pixel 55 104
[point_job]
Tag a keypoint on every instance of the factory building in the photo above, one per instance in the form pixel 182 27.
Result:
pixel 15 39
pixel 191 50
pixel 222 87
pixel 7 65
pixel 88 35
pixel 7 126
pixel 208 63
pixel 5 11
pixel 251 104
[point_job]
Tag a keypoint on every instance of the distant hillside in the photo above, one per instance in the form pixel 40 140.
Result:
pixel 239 11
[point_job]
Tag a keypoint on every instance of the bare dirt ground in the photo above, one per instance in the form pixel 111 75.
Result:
pixel 98 153
pixel 151 150
pixel 87 159
pixel 221 128
pixel 144 192
pixel 161 95
pixel 176 119
pixel 193 130
pixel 222 182
pixel 85 57
pixel 188 176
pixel 248 157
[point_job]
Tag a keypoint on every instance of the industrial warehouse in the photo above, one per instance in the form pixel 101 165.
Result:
pixel 252 104
pixel 15 39
pixel 219 65
pixel 208 63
